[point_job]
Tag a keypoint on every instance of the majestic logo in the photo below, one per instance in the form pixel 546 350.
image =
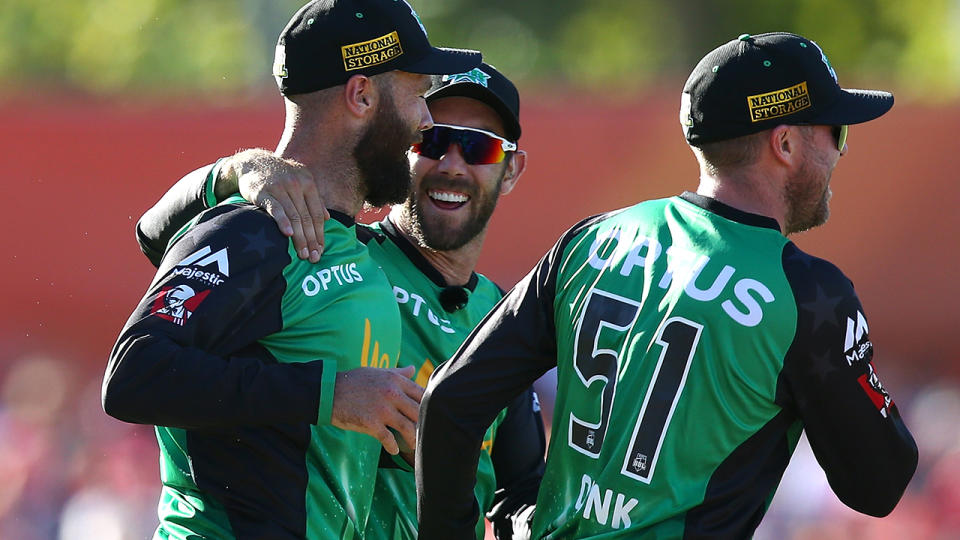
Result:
pixel 371 53
pixel 870 383
pixel 779 102
pixel 855 348
pixel 475 76
pixel 204 257
pixel 177 304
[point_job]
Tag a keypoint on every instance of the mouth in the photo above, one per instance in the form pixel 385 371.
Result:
pixel 448 200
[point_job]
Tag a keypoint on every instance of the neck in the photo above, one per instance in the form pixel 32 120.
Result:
pixel 745 191
pixel 317 139
pixel 455 265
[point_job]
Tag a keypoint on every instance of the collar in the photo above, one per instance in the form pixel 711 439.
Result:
pixel 346 220
pixel 417 258
pixel 726 211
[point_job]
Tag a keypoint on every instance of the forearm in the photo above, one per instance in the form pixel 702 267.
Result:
pixel 152 380
pixel 518 461
pixel 186 199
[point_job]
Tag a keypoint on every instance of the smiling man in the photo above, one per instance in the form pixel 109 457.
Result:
pixel 428 247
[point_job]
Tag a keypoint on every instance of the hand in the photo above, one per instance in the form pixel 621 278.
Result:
pixel 373 400
pixel 287 191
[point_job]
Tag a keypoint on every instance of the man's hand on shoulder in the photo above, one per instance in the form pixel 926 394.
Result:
pixel 376 400
pixel 282 187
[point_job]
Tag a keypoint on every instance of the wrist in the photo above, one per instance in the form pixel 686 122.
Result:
pixel 225 180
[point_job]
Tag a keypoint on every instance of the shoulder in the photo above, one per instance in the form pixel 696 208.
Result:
pixel 229 233
pixel 826 301
pixel 371 233
pixel 807 274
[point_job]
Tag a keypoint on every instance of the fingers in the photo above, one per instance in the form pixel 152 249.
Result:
pixel 317 215
pixel 386 438
pixel 287 191
pixel 276 211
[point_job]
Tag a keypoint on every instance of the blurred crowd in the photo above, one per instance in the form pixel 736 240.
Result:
pixel 67 471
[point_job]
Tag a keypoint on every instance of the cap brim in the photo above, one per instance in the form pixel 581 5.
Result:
pixel 484 95
pixel 855 107
pixel 443 61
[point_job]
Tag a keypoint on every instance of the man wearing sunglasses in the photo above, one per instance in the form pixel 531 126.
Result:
pixel 693 341
pixel 256 367
pixel 428 246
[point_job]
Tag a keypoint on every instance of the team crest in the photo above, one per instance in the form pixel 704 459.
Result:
pixel 475 75
pixel 826 62
pixel 417 17
pixel 870 383
pixel 177 304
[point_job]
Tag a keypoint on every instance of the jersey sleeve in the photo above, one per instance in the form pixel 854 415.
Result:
pixel 518 463
pixel 513 346
pixel 191 195
pixel 188 356
pixel 830 382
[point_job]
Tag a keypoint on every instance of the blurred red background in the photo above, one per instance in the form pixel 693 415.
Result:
pixel 79 175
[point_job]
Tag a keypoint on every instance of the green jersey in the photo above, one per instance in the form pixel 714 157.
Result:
pixel 432 332
pixel 693 344
pixel 232 354
pixel 435 319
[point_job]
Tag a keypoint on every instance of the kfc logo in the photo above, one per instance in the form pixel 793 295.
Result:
pixel 875 391
pixel 177 304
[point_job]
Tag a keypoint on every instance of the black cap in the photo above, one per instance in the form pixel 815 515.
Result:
pixel 328 41
pixel 485 84
pixel 754 83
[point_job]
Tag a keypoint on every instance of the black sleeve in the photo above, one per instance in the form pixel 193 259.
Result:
pixel 513 346
pixel 518 462
pixel 183 202
pixel 188 356
pixel 829 381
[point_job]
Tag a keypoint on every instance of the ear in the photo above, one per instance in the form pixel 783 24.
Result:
pixel 360 94
pixel 518 163
pixel 785 144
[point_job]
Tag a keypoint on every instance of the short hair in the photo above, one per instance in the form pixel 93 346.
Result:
pixel 730 154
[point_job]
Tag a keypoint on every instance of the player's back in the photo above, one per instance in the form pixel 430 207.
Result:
pixel 673 319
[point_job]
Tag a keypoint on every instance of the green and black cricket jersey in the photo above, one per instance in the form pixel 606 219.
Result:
pixel 693 344
pixel 232 354
pixel 432 332
pixel 510 471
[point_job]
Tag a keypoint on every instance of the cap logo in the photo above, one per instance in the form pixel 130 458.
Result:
pixel 823 58
pixel 417 17
pixel 779 102
pixel 371 53
pixel 475 76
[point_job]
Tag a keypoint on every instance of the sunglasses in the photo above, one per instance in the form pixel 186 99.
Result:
pixel 840 134
pixel 478 147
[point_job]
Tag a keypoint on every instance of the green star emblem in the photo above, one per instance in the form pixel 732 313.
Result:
pixel 475 76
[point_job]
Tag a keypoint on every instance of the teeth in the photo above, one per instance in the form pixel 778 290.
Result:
pixel 448 196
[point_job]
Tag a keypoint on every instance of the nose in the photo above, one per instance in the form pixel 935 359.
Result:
pixel 426 119
pixel 451 162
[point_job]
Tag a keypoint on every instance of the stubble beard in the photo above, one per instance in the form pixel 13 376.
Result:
pixel 807 200
pixel 432 231
pixel 381 156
